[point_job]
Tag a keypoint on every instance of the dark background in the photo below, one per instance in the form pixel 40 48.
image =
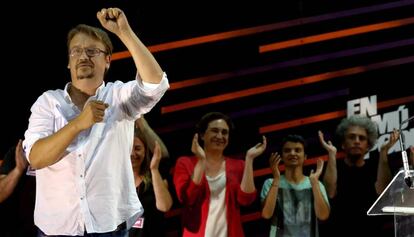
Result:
pixel 35 59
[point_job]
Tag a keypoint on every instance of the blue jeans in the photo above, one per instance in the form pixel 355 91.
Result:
pixel 116 233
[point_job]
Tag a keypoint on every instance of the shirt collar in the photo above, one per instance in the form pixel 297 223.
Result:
pixel 98 90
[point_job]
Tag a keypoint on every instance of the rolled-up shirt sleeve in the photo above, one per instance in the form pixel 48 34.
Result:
pixel 41 124
pixel 138 97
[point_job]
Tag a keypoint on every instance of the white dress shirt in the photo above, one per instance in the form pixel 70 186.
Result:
pixel 92 186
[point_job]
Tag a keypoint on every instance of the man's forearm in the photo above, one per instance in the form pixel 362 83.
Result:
pixel 51 149
pixel 383 172
pixel 330 177
pixel 148 68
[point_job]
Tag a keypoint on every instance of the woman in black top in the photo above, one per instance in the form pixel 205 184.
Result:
pixel 152 189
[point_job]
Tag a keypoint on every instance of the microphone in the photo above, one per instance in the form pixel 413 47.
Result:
pixel 407 176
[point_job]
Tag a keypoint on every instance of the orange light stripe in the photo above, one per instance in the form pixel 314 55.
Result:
pixel 302 121
pixel 327 116
pixel 224 35
pixel 335 34
pixel 398 101
pixel 262 89
pixel 201 40
pixel 207 38
pixel 120 55
pixel 200 80
pixel 212 37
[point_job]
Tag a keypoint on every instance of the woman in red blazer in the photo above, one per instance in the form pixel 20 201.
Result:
pixel 212 186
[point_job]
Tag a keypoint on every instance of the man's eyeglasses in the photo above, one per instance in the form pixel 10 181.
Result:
pixel 90 52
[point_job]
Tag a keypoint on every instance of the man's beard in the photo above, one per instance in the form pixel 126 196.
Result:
pixel 85 76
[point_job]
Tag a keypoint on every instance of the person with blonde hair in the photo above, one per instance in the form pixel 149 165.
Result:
pixel 152 187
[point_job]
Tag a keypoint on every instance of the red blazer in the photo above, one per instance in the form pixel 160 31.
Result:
pixel 196 198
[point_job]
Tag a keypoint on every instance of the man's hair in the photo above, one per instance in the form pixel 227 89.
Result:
pixel 93 32
pixel 294 138
pixel 359 121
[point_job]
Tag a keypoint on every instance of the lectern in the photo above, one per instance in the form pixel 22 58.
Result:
pixel 397 200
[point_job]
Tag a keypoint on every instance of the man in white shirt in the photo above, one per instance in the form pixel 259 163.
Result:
pixel 79 139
